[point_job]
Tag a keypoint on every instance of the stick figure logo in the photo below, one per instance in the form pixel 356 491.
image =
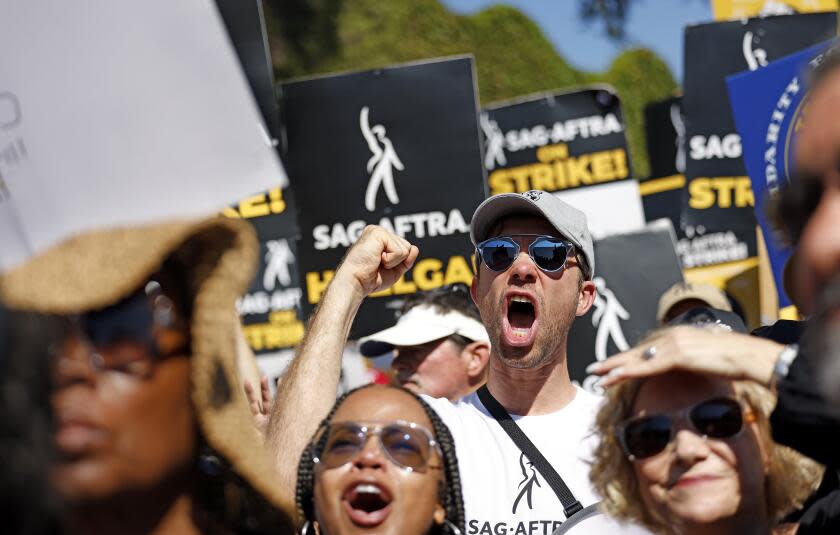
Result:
pixel 679 128
pixel 382 164
pixel 277 261
pixel 529 479
pixel 756 57
pixel 494 143
pixel 607 318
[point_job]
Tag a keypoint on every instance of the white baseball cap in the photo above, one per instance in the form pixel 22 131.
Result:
pixel 422 324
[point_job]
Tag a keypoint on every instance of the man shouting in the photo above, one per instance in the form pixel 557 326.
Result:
pixel 535 265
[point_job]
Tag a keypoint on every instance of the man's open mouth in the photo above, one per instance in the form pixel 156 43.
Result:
pixel 367 504
pixel 520 320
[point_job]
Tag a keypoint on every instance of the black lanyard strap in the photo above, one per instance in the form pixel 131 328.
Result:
pixel 570 504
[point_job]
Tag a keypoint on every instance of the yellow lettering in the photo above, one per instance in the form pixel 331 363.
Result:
pixel 276 202
pixel 578 169
pixel 400 287
pixel 316 286
pixel 560 175
pixel 403 286
pixel 557 170
pixel 700 194
pixel 258 205
pixel 743 192
pixel 282 316
pixel 724 187
pixel 500 182
pixel 282 330
pixel 542 177
pixel 427 274
pixel 458 270
pixel 231 212
pixel 520 177
pixel 722 191
pixel 620 161
pixel 254 207
pixel 550 153
pixel 602 166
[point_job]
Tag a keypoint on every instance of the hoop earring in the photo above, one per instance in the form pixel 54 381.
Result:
pixel 452 527
pixel 304 530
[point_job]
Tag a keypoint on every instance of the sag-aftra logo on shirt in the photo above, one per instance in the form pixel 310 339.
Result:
pixel 523 503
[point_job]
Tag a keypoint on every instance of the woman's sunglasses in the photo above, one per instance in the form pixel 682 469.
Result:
pixel 550 254
pixel 647 436
pixel 130 335
pixel 406 444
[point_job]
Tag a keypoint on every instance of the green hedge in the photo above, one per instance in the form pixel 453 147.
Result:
pixel 513 57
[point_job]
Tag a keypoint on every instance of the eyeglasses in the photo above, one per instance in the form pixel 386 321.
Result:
pixel 647 436
pixel 130 335
pixel 549 253
pixel 406 444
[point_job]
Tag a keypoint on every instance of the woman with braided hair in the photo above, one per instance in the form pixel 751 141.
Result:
pixel 382 459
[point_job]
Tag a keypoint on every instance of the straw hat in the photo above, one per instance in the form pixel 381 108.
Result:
pixel 99 268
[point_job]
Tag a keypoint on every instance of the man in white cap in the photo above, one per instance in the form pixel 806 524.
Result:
pixel 535 265
pixel 440 347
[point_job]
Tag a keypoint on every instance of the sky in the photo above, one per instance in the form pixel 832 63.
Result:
pixel 654 24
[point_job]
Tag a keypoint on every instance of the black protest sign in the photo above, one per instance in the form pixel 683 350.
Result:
pixel 664 131
pixel 272 214
pixel 270 310
pixel 245 23
pixel 555 141
pixel 633 271
pixel 718 193
pixel 397 147
pixel 662 194
pixel 664 134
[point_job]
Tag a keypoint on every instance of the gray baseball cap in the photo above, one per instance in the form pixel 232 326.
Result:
pixel 569 222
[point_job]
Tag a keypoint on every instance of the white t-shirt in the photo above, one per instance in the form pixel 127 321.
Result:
pixel 503 493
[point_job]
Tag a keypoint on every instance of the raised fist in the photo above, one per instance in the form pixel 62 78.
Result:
pixel 377 260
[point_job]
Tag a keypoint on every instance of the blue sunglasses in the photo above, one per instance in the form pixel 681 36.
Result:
pixel 550 254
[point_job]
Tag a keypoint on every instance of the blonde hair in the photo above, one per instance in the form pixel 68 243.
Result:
pixel 791 478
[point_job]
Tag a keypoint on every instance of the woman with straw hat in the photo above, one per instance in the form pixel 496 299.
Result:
pixel 153 433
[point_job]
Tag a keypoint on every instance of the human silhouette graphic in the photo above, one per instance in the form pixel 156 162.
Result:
pixel 607 318
pixel 494 143
pixel 382 164
pixel 277 260
pixel 679 128
pixel 756 57
pixel 529 479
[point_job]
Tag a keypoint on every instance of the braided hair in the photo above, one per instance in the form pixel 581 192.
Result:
pixel 450 488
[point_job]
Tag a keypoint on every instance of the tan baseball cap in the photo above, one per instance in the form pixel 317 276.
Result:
pixel 684 291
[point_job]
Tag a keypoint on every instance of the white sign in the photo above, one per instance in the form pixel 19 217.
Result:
pixel 117 113
pixel 610 208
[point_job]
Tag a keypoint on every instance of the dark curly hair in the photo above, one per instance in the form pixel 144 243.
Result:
pixel 450 491
pixel 30 504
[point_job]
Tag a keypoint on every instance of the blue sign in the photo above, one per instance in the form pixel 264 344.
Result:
pixel 767 105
